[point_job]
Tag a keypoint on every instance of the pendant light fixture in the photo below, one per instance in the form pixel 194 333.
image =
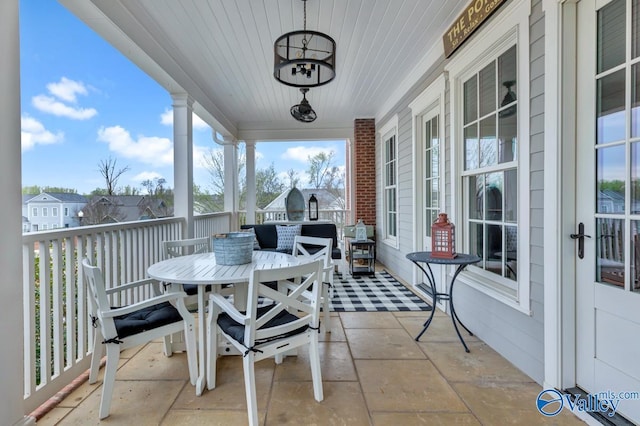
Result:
pixel 304 58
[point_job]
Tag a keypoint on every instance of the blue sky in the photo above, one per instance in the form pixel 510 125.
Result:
pixel 83 102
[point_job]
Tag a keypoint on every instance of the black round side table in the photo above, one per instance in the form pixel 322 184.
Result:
pixel 462 260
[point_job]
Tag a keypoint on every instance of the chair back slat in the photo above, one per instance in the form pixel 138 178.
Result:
pixel 176 248
pixel 305 287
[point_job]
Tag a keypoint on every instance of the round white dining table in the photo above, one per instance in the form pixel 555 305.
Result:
pixel 202 270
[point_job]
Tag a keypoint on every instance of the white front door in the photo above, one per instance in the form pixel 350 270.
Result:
pixel 608 200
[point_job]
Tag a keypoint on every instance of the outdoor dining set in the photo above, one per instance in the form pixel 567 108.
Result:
pixel 265 305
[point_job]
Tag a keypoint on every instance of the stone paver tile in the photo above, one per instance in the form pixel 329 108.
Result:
pixel 335 360
pixel 151 363
pixel 229 393
pixel 481 364
pixel 423 419
pixel 134 402
pixel 209 417
pixel 369 320
pixel 509 403
pixel 406 385
pixel 382 343
pixel 292 403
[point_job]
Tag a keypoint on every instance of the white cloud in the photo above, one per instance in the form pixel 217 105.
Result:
pixel 50 105
pixel 67 89
pixel 141 177
pixel 199 153
pixel 302 153
pixel 166 118
pixel 33 133
pixel 150 150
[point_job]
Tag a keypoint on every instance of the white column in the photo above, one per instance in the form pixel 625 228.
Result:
pixel 183 160
pixel 11 331
pixel 251 180
pixel 231 193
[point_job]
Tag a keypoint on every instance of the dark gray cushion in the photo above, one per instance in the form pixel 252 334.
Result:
pixel 236 330
pixel 146 319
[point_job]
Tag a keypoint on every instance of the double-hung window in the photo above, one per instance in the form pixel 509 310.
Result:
pixel 389 137
pixel 490 95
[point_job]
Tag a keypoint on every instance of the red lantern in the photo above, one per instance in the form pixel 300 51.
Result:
pixel 443 238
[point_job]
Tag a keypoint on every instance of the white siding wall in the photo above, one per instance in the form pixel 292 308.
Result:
pixel 516 336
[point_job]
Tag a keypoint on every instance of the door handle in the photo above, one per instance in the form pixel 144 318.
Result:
pixel 580 237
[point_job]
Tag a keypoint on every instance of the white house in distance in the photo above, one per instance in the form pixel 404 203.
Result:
pixel 51 210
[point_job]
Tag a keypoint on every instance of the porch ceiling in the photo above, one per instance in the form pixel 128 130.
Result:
pixel 221 53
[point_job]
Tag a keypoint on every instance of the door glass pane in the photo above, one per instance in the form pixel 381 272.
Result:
pixel 610 179
pixel 487 81
pixel 434 131
pixel 488 146
pixel 611 35
pixel 471 147
pixel 610 251
pixel 511 195
pixel 471 100
pixel 475 197
pixel 427 134
pixel 435 193
pixel 635 101
pixel 635 249
pixel 610 108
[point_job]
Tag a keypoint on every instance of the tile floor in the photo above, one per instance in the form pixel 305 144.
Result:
pixel 374 373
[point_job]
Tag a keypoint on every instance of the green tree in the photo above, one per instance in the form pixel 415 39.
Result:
pixel 36 189
pixel 268 186
pixel 323 173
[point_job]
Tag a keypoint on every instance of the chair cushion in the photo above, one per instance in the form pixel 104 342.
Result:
pixel 286 236
pixel 192 289
pixel 146 319
pixel 236 330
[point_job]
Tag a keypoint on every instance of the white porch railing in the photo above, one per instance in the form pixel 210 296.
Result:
pixel 58 333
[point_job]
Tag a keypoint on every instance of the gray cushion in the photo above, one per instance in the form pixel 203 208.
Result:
pixel 286 236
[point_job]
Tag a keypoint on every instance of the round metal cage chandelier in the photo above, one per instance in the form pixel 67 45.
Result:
pixel 304 58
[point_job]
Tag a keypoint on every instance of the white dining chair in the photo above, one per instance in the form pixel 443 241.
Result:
pixel 314 248
pixel 269 331
pixel 119 328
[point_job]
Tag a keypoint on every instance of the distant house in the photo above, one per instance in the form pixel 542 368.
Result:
pixel 327 200
pixel 124 208
pixel 51 210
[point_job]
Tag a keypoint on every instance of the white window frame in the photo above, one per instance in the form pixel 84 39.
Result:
pixel 387 131
pixel 54 211
pixel 510 26
pixel 34 211
pixel 45 212
pixel 66 211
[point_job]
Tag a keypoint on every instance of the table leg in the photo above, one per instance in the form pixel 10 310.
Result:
pixel 201 382
pixel 454 315
pixel 434 294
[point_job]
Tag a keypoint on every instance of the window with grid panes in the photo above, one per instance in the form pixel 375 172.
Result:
pixel 490 176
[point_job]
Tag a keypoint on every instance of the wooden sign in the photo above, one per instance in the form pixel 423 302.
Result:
pixel 469 20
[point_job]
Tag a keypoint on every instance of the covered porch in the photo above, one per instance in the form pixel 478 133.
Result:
pixel 399 92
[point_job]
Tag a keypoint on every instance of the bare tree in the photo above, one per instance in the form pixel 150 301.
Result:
pixel 107 169
pixel 294 179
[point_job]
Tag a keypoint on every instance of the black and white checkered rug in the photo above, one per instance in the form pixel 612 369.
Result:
pixel 380 292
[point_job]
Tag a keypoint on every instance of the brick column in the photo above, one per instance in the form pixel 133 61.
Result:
pixel 364 170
